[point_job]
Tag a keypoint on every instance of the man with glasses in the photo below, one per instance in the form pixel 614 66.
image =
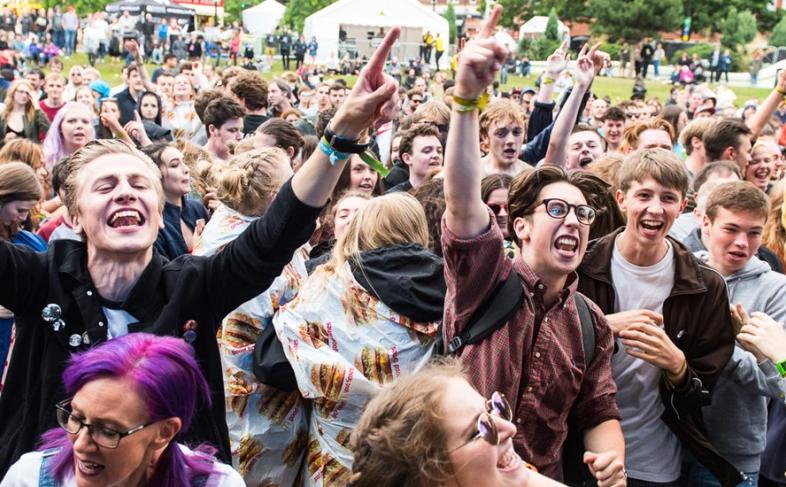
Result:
pixel 670 315
pixel 537 359
pixel 414 99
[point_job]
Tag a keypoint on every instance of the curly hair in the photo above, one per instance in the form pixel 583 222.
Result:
pixel 400 439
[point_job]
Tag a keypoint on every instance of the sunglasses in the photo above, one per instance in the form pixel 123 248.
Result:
pixel 497 207
pixel 486 427
pixel 559 209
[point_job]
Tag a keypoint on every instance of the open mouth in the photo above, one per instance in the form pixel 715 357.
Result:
pixel 585 161
pixel 510 153
pixel 126 218
pixel 509 461
pixel 652 225
pixel 737 255
pixel 567 244
pixel 89 468
pixel 763 173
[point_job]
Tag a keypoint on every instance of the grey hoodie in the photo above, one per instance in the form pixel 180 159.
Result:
pixel 737 419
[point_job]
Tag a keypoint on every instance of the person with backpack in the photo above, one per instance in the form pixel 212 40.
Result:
pixel 540 358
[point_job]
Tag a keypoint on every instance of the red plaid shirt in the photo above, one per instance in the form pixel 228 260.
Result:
pixel 545 378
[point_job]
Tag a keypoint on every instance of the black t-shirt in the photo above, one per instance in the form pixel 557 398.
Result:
pixel 271 40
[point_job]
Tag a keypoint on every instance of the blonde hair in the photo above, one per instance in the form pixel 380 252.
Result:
pixel 774 234
pixel 250 180
pixel 9 100
pixel 27 151
pixel 607 167
pixel 18 182
pixel 659 164
pixel 504 111
pixel 630 137
pixel 392 219
pixel 401 438
pixel 95 149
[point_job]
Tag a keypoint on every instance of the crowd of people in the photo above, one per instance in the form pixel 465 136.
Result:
pixel 208 278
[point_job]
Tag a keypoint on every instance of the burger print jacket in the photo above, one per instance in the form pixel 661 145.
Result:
pixel 267 427
pixel 344 344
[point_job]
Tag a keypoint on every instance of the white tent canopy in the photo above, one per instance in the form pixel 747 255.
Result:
pixel 536 27
pixel 263 18
pixel 366 22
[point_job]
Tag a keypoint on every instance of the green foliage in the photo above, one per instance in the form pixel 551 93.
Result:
pixel 709 15
pixel 233 9
pixel 552 26
pixel 525 44
pixel 778 37
pixel 703 49
pixel 450 16
pixel 298 10
pixel 612 48
pixel 738 29
pixel 567 10
pixel 539 49
pixel 632 20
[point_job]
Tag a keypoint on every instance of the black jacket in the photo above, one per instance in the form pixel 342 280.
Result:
pixel 170 242
pixel 167 295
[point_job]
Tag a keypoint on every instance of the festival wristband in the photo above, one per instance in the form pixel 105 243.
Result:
pixel 468 105
pixel 547 80
pixel 780 91
pixel 334 156
pixel 781 366
pixel 374 164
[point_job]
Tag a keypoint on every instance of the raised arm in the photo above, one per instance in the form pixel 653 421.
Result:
pixel 133 47
pixel 764 113
pixel 555 65
pixel 478 63
pixel 585 72
pixel 371 102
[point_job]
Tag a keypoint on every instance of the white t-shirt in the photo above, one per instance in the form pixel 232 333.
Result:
pixel 25 473
pixel 652 452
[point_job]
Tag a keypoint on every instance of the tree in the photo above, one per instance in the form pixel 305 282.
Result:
pixel 552 26
pixel 709 15
pixel 778 37
pixel 298 10
pixel 633 20
pixel 567 10
pixel 450 16
pixel 738 29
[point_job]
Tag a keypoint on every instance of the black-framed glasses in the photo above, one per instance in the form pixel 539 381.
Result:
pixel 559 209
pixel 486 427
pixel 101 435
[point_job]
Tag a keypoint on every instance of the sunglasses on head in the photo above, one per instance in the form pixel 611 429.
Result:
pixel 486 427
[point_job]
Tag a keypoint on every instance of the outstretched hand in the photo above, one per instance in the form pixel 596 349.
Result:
pixel 480 60
pixel 558 61
pixel 373 99
pixel 585 70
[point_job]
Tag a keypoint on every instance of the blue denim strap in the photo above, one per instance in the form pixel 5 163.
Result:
pixel 45 478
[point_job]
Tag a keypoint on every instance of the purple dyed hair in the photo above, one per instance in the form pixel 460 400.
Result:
pixel 54 147
pixel 166 376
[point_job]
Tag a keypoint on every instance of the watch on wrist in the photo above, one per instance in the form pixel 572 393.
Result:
pixel 781 367
pixel 344 144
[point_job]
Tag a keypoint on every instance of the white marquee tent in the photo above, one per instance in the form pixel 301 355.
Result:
pixel 364 19
pixel 536 27
pixel 263 18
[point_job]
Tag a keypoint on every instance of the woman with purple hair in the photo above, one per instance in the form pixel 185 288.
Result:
pixel 113 283
pixel 71 129
pixel 128 400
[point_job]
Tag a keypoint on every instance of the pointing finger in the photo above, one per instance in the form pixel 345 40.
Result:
pixel 488 28
pixel 377 61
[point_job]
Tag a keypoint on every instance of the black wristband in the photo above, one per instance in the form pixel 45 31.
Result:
pixel 342 144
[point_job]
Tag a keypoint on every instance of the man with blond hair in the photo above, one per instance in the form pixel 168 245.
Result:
pixel 503 128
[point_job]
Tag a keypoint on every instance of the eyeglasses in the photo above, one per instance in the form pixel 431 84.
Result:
pixel 102 436
pixel 559 209
pixel 497 207
pixel 486 426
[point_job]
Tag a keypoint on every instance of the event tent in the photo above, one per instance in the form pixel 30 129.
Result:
pixel 157 8
pixel 536 27
pixel 263 18
pixel 365 22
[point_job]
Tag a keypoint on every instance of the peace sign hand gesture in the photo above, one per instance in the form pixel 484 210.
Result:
pixel 373 99
pixel 480 60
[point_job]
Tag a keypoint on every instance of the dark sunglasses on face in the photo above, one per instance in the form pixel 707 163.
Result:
pixel 497 208
pixel 559 209
pixel 486 426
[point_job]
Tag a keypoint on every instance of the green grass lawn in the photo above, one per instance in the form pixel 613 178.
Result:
pixel 617 89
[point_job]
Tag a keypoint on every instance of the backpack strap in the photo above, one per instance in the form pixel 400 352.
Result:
pixel 45 478
pixel 489 317
pixel 587 321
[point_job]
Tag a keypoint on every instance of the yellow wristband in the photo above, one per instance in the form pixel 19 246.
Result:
pixel 780 91
pixel 547 80
pixel 467 105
